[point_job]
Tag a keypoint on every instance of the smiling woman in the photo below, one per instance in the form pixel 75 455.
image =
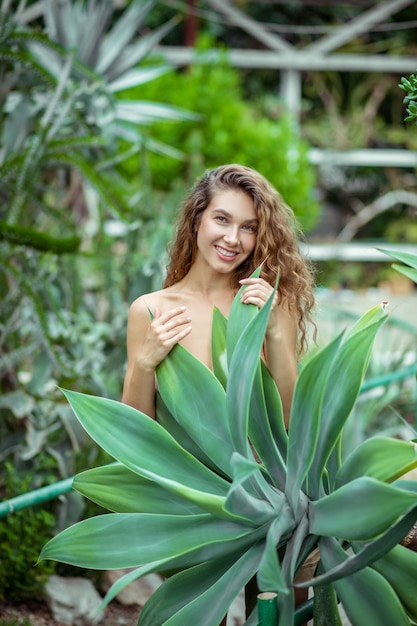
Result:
pixel 232 221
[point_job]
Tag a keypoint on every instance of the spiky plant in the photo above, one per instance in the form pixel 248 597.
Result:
pixel 112 48
pixel 62 121
pixel 190 500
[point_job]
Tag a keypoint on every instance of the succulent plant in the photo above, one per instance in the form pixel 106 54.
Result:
pixel 215 491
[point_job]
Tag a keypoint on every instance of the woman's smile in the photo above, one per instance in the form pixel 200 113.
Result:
pixel 226 254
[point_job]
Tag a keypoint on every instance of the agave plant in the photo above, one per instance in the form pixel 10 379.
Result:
pixel 62 118
pixel 216 491
pixel 112 51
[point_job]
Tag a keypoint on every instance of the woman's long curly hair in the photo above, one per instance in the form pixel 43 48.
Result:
pixel 276 241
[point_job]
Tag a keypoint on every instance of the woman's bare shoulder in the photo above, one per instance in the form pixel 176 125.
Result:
pixel 163 299
pixel 146 302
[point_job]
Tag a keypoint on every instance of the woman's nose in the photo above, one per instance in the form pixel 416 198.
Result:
pixel 232 237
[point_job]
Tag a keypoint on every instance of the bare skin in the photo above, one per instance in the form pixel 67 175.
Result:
pixel 183 312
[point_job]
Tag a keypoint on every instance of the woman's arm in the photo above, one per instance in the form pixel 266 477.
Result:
pixel 139 382
pixel 148 343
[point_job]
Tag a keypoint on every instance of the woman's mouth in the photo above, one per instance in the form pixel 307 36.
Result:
pixel 224 254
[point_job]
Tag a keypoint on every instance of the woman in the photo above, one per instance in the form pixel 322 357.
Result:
pixel 232 221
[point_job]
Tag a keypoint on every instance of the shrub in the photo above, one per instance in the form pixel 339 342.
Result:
pixel 22 535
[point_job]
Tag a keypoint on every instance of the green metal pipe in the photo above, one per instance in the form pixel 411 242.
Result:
pixel 268 610
pixel 390 377
pixel 35 497
pixel 304 612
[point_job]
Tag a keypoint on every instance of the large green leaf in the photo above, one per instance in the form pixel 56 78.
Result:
pixel 218 346
pixel 349 366
pixel 274 410
pixel 146 448
pixel 117 489
pixel 359 510
pixel 190 391
pixel 202 594
pixel 366 596
pixel 408 259
pixel 144 112
pixel 265 411
pixel 242 370
pixel 255 509
pixel 406 484
pixel 168 421
pixel 399 567
pixel 383 458
pixel 405 257
pixel 133 54
pixel 406 271
pixel 293 548
pixel 118 540
pixel 305 417
pixel 204 555
pixel 270 576
pixel 239 317
pixel 365 554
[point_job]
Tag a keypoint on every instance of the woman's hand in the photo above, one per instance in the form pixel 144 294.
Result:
pixel 165 330
pixel 257 291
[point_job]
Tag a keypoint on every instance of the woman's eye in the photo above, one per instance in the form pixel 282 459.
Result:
pixel 250 228
pixel 221 219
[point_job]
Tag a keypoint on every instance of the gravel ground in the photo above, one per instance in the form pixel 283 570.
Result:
pixel 39 614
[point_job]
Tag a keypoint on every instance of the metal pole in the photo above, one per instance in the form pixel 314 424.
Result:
pixel 267 609
pixel 35 497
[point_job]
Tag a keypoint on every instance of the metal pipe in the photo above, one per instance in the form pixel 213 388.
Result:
pixel 36 496
pixel 268 610
pixel 386 379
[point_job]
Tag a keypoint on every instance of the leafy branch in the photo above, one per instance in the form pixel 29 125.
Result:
pixel 409 85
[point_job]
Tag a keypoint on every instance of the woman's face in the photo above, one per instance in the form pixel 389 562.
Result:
pixel 227 231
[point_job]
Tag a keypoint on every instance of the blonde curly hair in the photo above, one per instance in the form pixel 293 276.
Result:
pixel 276 241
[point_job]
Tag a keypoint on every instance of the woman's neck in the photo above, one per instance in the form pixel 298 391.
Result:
pixel 208 283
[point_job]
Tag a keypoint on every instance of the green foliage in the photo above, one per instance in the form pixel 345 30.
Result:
pixel 215 489
pixel 22 534
pixel 408 262
pixel 53 335
pixel 348 110
pixel 60 130
pixel 15 621
pixel 61 121
pixel 228 130
pixel 409 85
pixel 387 402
